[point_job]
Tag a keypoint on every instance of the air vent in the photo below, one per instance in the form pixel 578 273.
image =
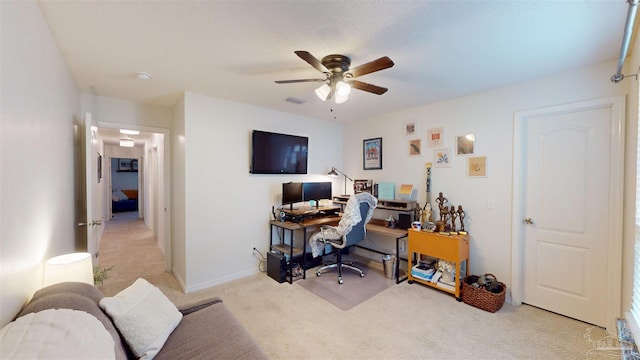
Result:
pixel 296 100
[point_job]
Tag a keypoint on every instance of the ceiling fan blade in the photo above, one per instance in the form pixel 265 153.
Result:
pixel 298 81
pixel 312 60
pixel 368 87
pixel 373 66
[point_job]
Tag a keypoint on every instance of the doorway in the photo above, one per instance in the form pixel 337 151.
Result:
pixel 567 207
pixel 146 163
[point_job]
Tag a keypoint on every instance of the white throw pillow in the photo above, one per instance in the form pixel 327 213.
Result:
pixel 144 316
pixel 118 194
pixel 56 334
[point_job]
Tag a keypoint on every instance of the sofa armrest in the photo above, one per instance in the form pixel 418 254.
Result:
pixel 192 307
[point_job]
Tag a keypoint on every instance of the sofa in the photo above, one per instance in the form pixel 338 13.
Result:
pixel 205 330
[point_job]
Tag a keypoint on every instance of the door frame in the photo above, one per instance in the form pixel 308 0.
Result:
pixel 166 229
pixel 616 105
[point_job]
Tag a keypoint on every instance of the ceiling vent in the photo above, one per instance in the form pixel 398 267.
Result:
pixel 296 100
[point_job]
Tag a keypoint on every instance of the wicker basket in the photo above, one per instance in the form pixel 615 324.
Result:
pixel 482 298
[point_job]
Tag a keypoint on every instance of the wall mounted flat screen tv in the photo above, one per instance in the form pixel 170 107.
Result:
pixel 274 153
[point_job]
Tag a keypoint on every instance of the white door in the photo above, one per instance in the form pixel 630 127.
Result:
pixel 567 202
pixel 94 221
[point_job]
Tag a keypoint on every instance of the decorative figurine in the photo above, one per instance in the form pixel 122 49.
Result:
pixel 454 215
pixel 441 200
pixel 461 217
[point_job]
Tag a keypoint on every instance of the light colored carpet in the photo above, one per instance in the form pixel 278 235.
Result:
pixel 405 321
pixel 352 292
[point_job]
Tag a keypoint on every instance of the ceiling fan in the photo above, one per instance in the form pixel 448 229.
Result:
pixel 339 78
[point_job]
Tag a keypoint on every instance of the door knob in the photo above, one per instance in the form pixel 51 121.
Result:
pixel 528 221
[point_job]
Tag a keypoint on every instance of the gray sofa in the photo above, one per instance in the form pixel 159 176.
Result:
pixel 208 330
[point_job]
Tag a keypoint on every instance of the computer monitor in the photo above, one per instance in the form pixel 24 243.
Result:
pixel 291 193
pixel 316 191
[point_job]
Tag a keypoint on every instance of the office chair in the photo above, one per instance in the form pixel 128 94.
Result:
pixel 349 231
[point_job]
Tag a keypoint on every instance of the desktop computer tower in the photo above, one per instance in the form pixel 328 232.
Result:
pixel 277 266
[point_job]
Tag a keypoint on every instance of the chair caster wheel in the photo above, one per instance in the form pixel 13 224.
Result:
pixel 340 281
pixel 318 273
pixel 361 275
pixel 459 299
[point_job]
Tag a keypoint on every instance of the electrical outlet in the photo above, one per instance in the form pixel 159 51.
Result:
pixel 401 245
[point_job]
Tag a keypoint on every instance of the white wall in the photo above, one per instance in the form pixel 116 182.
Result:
pixel 489 115
pixel 227 210
pixel 39 101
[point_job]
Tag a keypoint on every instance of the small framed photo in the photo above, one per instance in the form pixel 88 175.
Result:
pixel 435 137
pixel 415 147
pixel 124 165
pixel 442 158
pixel 372 154
pixel 466 144
pixel 410 128
pixel 477 166
pixel 99 167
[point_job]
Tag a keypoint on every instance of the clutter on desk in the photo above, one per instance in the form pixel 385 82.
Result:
pixel 391 222
pixel 484 292
pixel 360 185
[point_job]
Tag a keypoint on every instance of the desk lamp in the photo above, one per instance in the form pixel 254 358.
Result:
pixel 334 172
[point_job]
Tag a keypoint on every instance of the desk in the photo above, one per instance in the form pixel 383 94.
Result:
pixel 377 226
pixel 374 226
pixel 291 227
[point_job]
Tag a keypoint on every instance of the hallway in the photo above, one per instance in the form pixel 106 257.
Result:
pixel 130 247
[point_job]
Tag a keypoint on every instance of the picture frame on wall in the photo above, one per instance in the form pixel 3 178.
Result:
pixel 372 154
pixel 466 144
pixel 415 147
pixel 435 137
pixel 477 166
pixel 442 158
pixel 410 129
pixel 99 167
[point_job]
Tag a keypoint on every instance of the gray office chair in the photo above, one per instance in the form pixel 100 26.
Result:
pixel 350 230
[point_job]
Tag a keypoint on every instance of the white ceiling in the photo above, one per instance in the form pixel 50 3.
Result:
pixel 236 49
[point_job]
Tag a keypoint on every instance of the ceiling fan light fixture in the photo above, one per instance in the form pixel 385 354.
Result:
pixel 323 92
pixel 342 88
pixel 339 99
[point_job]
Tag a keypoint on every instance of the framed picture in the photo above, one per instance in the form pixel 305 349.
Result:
pixel 362 185
pixel 130 165
pixel 372 154
pixel 124 164
pixel 415 147
pixel 99 168
pixel 477 166
pixel 435 137
pixel 442 158
pixel 466 144
pixel 410 128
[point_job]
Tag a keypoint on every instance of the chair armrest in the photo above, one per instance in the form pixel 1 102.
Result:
pixel 189 308
pixel 337 243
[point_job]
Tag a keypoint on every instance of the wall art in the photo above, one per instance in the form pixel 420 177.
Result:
pixel 466 144
pixel 372 154
pixel 442 158
pixel 477 166
pixel 435 137
pixel 415 147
